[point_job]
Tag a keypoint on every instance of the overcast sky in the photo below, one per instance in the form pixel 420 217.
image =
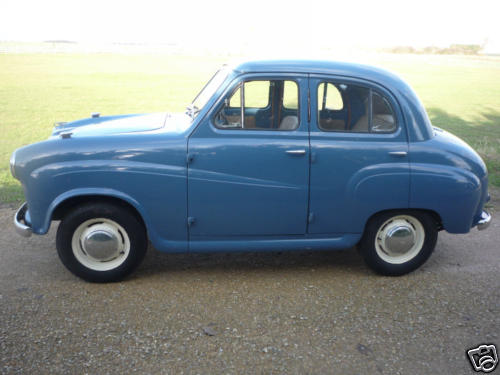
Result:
pixel 266 23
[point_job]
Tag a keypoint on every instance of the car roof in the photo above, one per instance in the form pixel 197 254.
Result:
pixel 320 67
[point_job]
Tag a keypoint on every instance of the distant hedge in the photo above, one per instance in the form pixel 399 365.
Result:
pixel 454 49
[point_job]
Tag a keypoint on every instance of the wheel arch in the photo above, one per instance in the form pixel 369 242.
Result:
pixel 435 215
pixel 64 203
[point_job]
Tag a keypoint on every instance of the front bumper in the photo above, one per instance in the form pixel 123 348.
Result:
pixel 20 223
pixel 485 220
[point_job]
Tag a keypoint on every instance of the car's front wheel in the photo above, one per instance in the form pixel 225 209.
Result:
pixel 396 243
pixel 101 242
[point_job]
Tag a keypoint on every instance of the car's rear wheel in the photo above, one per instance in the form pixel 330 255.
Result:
pixel 396 243
pixel 101 242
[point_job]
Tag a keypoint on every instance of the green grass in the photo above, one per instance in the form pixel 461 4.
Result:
pixel 461 94
pixel 37 90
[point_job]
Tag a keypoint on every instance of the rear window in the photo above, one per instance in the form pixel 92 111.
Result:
pixel 330 97
pixel 354 109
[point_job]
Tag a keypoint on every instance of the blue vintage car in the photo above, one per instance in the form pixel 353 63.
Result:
pixel 271 155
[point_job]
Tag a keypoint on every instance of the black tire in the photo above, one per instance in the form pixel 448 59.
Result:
pixel 131 240
pixel 373 252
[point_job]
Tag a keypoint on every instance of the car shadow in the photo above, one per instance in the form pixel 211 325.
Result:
pixel 157 262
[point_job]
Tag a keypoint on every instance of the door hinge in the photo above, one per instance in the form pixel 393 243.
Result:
pixel 310 218
pixel 189 158
pixel 190 221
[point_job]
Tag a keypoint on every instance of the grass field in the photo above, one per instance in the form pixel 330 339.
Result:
pixel 461 94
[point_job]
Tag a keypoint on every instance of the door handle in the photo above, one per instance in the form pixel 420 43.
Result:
pixel 296 152
pixel 398 153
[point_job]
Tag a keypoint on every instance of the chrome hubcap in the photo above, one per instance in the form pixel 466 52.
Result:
pixel 399 239
pixel 100 244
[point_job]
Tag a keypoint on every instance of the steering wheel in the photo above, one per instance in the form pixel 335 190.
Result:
pixel 221 118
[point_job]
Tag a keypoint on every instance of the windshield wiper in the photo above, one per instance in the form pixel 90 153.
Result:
pixel 192 110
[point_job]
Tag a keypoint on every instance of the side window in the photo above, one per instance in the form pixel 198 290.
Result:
pixel 267 105
pixel 256 95
pixel 235 100
pixel 383 120
pixel 330 97
pixel 290 95
pixel 353 109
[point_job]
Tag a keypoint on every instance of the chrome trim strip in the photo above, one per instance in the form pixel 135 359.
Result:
pixel 22 228
pixel 398 153
pixel 296 152
pixel 485 221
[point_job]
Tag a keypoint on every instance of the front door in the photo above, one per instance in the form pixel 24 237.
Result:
pixel 359 162
pixel 248 172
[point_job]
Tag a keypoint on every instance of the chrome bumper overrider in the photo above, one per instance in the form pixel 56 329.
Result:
pixel 485 221
pixel 19 222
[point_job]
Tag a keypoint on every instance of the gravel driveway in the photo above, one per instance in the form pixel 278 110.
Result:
pixel 282 313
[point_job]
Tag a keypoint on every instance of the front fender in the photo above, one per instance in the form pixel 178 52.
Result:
pixel 82 192
pixel 157 191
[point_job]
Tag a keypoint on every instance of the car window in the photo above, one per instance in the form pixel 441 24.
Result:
pixel 261 105
pixel 354 109
pixel 256 95
pixel 330 97
pixel 235 100
pixel 290 95
pixel 383 120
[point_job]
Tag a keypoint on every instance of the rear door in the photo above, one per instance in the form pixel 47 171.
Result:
pixel 359 161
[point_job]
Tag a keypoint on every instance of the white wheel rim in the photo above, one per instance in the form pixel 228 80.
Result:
pixel 399 239
pixel 100 244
